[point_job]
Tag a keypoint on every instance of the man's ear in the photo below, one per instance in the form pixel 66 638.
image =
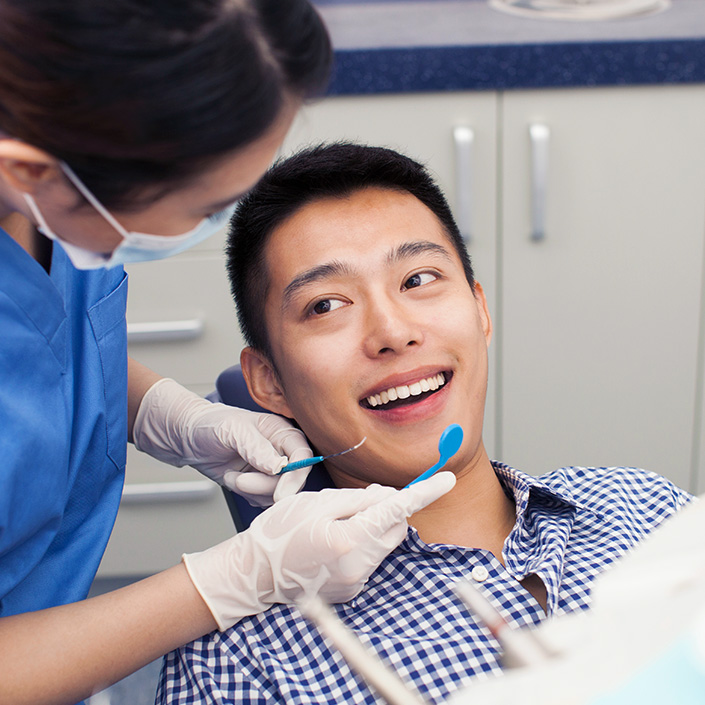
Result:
pixel 484 312
pixel 26 168
pixel 263 382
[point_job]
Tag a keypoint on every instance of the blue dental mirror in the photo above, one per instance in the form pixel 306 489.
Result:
pixel 448 445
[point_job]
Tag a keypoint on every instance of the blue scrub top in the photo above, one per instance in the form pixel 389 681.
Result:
pixel 63 425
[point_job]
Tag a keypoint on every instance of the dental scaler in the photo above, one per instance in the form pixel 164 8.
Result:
pixel 317 459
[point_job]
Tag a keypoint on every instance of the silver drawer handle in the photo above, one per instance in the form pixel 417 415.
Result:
pixel 463 138
pixel 539 135
pixel 163 492
pixel 164 331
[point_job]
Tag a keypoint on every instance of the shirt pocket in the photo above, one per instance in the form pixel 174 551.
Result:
pixel 109 325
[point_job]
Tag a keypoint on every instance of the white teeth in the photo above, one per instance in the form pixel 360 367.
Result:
pixel 405 391
pixel 375 400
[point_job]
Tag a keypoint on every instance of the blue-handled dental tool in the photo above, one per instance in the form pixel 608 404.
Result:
pixel 316 459
pixel 448 444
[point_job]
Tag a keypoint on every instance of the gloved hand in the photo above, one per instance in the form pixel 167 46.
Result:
pixel 326 543
pixel 226 444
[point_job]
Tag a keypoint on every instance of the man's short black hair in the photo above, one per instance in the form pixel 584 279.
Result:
pixel 324 171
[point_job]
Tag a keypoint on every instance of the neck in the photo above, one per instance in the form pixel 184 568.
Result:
pixel 23 232
pixel 17 225
pixel 476 513
pixel 19 229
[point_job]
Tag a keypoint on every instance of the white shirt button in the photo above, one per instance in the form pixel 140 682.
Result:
pixel 479 573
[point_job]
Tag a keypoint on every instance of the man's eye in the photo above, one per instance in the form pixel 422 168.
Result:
pixel 418 279
pixel 325 306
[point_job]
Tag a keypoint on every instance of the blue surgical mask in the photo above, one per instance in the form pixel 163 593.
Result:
pixel 135 247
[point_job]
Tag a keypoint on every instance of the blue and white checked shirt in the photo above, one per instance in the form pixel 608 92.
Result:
pixel 571 524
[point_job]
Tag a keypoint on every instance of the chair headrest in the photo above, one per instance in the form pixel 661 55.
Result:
pixel 230 389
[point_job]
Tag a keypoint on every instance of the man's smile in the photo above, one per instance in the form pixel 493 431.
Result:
pixel 407 393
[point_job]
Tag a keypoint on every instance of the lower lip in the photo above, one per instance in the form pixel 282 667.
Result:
pixel 419 411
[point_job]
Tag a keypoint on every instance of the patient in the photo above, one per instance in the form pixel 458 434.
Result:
pixel 358 301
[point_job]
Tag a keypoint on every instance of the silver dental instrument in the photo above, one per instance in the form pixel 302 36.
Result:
pixel 317 459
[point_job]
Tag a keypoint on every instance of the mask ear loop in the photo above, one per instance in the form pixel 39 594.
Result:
pixel 80 258
pixel 41 222
pixel 83 189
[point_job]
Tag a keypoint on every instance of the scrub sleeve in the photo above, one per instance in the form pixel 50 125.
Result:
pixel 63 425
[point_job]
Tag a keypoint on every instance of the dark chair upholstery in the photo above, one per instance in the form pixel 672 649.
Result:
pixel 230 388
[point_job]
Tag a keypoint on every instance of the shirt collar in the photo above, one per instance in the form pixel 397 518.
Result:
pixel 526 490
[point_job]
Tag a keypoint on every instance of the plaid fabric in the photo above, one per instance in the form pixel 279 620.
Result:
pixel 571 525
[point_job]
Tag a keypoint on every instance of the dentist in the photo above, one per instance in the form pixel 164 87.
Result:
pixel 127 132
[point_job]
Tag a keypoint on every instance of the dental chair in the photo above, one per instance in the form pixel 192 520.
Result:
pixel 230 388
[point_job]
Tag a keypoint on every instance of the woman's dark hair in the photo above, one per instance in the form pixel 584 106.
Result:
pixel 329 170
pixel 137 93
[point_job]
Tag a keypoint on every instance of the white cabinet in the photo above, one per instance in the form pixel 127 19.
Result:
pixel 595 358
pixel 166 512
pixel 187 329
pixel 600 321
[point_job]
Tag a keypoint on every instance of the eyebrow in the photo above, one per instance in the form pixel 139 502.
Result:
pixel 336 268
pixel 418 247
pixel 315 274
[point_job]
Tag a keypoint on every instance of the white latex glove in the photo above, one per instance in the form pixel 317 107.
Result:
pixel 240 449
pixel 326 543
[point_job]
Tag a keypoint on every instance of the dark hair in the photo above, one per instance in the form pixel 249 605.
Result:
pixel 134 93
pixel 333 170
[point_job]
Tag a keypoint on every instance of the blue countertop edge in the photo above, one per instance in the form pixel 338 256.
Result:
pixel 520 66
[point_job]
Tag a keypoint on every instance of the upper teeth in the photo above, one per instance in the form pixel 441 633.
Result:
pixel 404 391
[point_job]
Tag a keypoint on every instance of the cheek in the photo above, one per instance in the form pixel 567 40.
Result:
pixel 83 227
pixel 316 381
pixel 315 367
pixel 460 326
pixel 323 360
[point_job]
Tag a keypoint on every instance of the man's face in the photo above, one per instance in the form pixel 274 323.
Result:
pixel 368 302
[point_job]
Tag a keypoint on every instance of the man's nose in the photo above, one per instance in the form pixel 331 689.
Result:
pixel 391 328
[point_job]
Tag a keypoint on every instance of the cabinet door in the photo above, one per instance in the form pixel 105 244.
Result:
pixel 422 126
pixel 165 512
pixel 600 319
pixel 181 323
pixel 181 317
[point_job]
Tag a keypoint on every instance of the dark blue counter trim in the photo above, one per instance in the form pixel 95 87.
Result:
pixel 423 69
